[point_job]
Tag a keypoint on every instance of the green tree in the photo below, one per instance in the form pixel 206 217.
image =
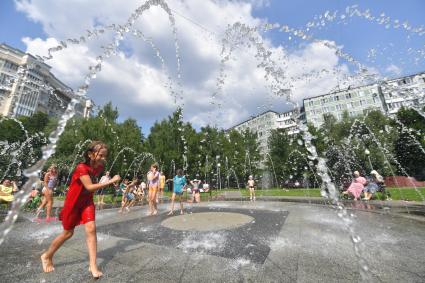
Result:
pixel 409 147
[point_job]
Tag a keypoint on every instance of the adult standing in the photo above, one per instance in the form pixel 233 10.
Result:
pixel 153 184
pixel 50 182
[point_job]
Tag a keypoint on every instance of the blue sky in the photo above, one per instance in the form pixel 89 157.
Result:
pixel 360 35
pixel 57 19
pixel 357 37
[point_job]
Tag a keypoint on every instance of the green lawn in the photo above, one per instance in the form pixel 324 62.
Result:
pixel 409 194
pixel 396 194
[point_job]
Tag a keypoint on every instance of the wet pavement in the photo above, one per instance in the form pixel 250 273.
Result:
pixel 283 242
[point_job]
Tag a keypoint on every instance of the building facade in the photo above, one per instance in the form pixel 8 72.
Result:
pixel 386 96
pixel 261 125
pixel 356 101
pixel 264 123
pixel 27 86
pixel 407 91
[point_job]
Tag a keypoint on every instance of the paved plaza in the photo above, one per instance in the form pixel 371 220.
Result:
pixel 228 241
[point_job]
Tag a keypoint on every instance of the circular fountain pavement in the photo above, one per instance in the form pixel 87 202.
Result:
pixel 207 221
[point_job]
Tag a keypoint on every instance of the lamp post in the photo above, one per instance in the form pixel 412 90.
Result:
pixel 218 175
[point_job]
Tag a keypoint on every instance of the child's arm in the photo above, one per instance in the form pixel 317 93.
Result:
pixel 46 179
pixel 85 179
pixel 15 188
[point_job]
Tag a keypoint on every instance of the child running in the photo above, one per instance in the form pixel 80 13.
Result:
pixel 251 187
pixel 129 196
pixel 179 182
pixel 79 206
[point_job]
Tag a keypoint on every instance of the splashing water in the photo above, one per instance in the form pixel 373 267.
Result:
pixel 33 172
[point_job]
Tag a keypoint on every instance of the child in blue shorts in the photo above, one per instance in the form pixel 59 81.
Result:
pixel 179 186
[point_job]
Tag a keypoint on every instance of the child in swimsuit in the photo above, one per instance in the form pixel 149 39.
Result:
pixel 153 184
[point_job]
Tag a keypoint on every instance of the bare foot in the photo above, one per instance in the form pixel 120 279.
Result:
pixel 95 272
pixel 155 212
pixel 170 213
pixel 47 263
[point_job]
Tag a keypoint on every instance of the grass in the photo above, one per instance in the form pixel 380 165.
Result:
pixel 409 194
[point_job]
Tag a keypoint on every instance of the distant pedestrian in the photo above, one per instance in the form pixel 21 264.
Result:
pixel 251 187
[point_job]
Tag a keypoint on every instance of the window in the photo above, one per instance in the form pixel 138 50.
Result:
pixel 4 79
pixel 11 65
pixel 336 98
pixel 348 95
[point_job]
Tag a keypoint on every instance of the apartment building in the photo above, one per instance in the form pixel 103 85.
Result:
pixel 355 101
pixel 27 86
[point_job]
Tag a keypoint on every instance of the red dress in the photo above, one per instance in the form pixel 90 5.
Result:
pixel 78 207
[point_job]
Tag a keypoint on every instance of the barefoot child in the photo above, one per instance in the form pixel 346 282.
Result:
pixel 160 194
pixel 79 207
pixel 153 183
pixel 129 196
pixel 251 187
pixel 179 186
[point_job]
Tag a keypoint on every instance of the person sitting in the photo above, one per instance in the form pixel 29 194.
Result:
pixel 356 187
pixel 7 188
pixel 376 184
pixel 34 198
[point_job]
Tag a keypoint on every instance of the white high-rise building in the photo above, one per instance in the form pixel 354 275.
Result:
pixel 407 91
pixel 27 86
pixel 264 123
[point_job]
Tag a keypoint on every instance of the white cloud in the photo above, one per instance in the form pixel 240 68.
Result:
pixel 393 70
pixel 134 80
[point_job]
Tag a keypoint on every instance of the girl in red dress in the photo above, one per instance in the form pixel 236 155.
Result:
pixel 79 207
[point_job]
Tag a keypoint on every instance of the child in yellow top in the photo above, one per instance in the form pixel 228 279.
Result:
pixel 6 189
